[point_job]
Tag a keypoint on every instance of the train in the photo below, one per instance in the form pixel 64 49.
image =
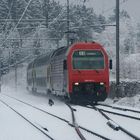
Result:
pixel 77 72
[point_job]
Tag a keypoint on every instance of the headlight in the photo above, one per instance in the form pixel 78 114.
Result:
pixel 76 84
pixel 101 83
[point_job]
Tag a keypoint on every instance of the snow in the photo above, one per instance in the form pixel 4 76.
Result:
pixel 97 123
pixel 12 127
pixel 131 125
pixel 57 129
pixel 126 102
pixel 53 125
pixel 130 101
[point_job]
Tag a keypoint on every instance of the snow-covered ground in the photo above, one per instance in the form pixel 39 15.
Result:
pixel 14 127
pixel 127 102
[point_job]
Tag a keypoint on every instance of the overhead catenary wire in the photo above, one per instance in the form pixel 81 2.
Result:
pixel 17 22
pixel 55 19
pixel 23 15
pixel 7 16
pixel 38 28
pixel 34 20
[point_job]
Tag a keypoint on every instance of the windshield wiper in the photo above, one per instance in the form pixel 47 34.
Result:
pixel 97 71
pixel 78 71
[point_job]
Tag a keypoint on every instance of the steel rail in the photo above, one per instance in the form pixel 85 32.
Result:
pixel 119 127
pixel 75 123
pixel 62 119
pixel 119 108
pixel 41 130
pixel 115 113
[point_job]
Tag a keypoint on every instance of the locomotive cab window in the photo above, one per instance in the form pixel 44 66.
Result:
pixel 88 59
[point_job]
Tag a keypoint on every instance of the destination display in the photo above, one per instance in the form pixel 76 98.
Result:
pixel 87 53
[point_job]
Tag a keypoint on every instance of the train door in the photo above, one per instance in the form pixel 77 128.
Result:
pixel 65 76
pixel 34 80
pixel 49 77
pixel 58 75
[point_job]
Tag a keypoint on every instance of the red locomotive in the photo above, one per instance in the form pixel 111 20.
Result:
pixel 80 71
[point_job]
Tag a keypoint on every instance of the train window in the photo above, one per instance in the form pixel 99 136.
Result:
pixel 110 64
pixel 88 59
pixel 65 64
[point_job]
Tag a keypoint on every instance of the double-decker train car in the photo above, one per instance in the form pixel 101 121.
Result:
pixel 80 71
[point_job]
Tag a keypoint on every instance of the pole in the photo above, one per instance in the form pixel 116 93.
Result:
pixel 46 10
pixel 0 69
pixel 15 49
pixel 0 75
pixel 15 73
pixel 117 44
pixel 9 58
pixel 68 22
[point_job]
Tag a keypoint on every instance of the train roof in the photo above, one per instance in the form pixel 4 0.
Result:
pixel 46 58
pixel 59 51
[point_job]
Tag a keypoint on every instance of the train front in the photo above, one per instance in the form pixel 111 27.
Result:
pixel 88 72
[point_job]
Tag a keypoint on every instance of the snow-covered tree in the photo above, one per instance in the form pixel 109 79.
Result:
pixel 129 54
pixel 138 38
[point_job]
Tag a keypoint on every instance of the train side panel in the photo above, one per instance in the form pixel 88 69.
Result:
pixel 57 75
pixel 40 84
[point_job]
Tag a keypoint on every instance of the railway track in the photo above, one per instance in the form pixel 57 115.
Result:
pixel 115 113
pixel 112 123
pixel 73 124
pixel 119 108
pixel 41 129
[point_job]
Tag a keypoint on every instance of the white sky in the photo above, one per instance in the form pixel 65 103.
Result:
pixel 131 6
